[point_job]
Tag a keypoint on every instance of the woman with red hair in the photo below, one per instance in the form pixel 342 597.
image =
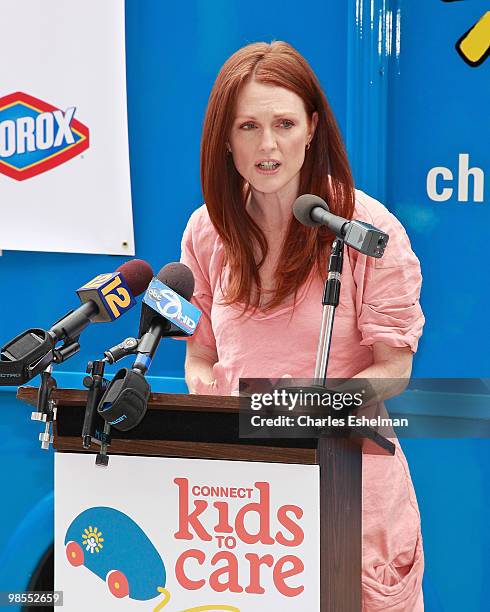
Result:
pixel 269 136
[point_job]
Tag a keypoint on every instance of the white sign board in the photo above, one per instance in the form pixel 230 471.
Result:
pixel 64 161
pixel 150 533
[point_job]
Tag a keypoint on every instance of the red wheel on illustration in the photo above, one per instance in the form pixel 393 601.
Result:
pixel 74 554
pixel 117 583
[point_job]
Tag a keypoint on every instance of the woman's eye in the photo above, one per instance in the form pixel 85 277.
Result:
pixel 247 126
pixel 286 123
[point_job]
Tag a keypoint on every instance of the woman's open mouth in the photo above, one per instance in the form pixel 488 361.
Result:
pixel 268 167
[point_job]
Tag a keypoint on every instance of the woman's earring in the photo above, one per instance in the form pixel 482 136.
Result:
pixel 228 148
pixel 308 145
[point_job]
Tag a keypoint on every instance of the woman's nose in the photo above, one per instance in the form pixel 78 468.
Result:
pixel 268 141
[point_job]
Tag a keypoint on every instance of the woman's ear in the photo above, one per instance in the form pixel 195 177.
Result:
pixel 314 121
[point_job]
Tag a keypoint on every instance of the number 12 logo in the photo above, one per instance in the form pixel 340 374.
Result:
pixel 111 293
pixel 117 297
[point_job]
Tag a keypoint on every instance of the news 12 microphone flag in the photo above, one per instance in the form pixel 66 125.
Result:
pixel 64 159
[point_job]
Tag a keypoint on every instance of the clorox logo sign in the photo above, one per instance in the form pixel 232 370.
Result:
pixel 36 136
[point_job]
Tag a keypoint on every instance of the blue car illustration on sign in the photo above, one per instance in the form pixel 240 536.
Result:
pixel 115 548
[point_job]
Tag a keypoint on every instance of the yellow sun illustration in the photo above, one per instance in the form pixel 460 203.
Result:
pixel 92 539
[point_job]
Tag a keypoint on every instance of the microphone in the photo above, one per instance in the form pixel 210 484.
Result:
pixel 166 312
pixel 167 296
pixel 104 298
pixel 312 211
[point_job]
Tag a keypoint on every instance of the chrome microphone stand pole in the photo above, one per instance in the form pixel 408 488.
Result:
pixel 330 301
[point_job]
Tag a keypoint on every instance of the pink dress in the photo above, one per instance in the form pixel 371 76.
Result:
pixel 379 303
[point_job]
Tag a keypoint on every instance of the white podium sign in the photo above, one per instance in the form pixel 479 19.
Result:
pixel 151 533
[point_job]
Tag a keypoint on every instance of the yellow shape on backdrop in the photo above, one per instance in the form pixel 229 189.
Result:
pixel 475 44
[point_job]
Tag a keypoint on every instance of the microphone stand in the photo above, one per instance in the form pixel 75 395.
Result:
pixel 46 407
pixel 330 301
pixel 97 385
pixel 102 458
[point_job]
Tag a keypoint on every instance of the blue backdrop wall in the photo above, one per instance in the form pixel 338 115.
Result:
pixel 173 54
pixel 406 102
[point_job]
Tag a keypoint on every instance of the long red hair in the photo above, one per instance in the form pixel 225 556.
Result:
pixel 325 172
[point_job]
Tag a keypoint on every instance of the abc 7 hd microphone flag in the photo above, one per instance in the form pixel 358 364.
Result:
pixel 64 159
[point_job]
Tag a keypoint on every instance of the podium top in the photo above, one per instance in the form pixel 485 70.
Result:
pixel 158 401
pixel 192 425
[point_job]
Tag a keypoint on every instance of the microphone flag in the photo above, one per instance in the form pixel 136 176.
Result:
pixel 111 293
pixel 172 306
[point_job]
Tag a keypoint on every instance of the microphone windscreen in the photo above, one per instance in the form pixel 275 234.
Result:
pixel 137 274
pixel 178 277
pixel 303 206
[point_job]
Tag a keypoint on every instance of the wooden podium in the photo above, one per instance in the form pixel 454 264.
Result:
pixel 206 427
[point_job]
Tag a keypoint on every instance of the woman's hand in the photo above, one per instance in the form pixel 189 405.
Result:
pixel 199 387
pixel 199 374
pixel 390 372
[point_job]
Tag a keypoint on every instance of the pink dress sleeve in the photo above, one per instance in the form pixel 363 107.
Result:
pixel 388 289
pixel 196 254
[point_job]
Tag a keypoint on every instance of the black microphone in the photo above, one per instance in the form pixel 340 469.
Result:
pixel 312 211
pixel 179 278
pixel 155 324
pixel 104 298
pixel 124 403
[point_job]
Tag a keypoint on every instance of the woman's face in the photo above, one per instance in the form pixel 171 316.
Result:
pixel 269 135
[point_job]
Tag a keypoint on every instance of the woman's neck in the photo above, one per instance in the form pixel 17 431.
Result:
pixel 272 211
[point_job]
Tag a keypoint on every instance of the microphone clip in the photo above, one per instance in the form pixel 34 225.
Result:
pixel 123 349
pixel 70 347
